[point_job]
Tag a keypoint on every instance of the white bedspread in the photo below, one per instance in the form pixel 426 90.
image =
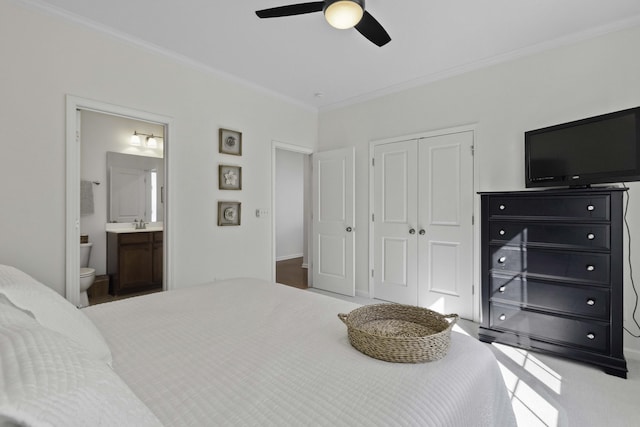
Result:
pixel 248 352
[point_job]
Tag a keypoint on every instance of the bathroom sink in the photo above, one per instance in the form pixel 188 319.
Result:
pixel 134 230
pixel 129 228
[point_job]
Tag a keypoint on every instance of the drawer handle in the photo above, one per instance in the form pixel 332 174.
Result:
pixel 501 232
pixel 502 316
pixel 501 289
pixel 502 259
pixel 501 207
pixel 591 267
pixel 591 336
pixel 591 302
pixel 591 208
pixel 591 236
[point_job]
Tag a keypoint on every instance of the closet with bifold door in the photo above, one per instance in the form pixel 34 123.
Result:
pixel 422 221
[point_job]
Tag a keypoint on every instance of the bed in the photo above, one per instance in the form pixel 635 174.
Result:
pixel 232 352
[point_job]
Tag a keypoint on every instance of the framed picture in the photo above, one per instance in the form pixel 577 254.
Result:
pixel 228 213
pixel 229 177
pixel 230 142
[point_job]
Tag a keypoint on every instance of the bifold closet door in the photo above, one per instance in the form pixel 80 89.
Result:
pixel 445 234
pixel 422 222
pixel 395 222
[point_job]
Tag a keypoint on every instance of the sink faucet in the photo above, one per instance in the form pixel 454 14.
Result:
pixel 141 225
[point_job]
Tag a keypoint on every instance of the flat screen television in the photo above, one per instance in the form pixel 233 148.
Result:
pixel 600 149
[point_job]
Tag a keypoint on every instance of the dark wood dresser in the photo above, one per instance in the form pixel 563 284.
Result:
pixel 552 273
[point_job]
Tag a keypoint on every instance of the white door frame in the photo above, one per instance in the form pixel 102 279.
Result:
pixel 476 206
pixel 72 222
pixel 277 145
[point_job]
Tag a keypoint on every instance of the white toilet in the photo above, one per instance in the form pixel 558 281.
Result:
pixel 87 275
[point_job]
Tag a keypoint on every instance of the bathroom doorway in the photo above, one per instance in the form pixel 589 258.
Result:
pixel 124 175
pixel 110 128
pixel 291 206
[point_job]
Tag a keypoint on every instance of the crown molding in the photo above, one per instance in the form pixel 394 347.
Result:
pixel 157 50
pixel 575 38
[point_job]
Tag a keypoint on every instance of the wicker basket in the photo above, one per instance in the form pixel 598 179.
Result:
pixel 399 333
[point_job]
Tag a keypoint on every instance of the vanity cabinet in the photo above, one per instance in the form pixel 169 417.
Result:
pixel 552 273
pixel 134 262
pixel 157 257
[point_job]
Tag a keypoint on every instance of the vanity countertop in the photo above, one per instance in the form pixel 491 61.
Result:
pixel 129 228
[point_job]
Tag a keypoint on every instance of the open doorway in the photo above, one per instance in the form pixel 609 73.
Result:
pixel 130 177
pixel 75 106
pixel 291 201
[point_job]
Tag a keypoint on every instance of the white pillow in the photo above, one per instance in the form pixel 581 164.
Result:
pixel 50 380
pixel 52 310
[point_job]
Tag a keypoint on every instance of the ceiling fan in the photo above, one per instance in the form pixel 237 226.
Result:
pixel 340 14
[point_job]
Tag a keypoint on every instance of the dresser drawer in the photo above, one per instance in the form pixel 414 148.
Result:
pixel 591 335
pixel 579 236
pixel 594 207
pixel 562 265
pixel 531 293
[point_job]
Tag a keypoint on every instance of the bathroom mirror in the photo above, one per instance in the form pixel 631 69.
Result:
pixel 135 188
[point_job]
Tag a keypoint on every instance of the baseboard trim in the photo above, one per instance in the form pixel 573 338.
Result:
pixel 286 257
pixel 632 354
pixel 363 294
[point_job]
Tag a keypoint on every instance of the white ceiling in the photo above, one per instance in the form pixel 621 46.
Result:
pixel 301 56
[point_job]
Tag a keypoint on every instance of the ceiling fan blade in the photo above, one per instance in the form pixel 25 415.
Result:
pixel 292 9
pixel 372 30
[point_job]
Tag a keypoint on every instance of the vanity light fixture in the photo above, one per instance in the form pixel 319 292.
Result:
pixel 150 142
pixel 135 139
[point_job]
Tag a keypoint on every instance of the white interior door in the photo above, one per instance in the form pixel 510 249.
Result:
pixel 334 221
pixel 395 215
pixel 127 194
pixel 445 236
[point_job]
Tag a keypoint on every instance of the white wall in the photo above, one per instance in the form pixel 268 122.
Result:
pixel 45 57
pixel 572 82
pixel 289 204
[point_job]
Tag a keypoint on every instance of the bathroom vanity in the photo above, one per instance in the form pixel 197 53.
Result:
pixel 134 260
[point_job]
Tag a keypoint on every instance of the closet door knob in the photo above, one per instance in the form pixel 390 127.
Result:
pixel 502 259
pixel 591 335
pixel 412 231
pixel 591 302
pixel 502 317
pixel 501 232
pixel 501 207
pixel 591 208
pixel 591 236
pixel 421 232
pixel 591 267
pixel 501 289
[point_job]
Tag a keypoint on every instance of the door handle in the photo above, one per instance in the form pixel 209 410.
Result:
pixel 412 231
pixel 349 229
pixel 421 232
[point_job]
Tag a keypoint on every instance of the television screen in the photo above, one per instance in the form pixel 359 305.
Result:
pixel 600 149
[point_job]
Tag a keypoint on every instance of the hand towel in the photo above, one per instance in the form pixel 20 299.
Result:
pixel 86 197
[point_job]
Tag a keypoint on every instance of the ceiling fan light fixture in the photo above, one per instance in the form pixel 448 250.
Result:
pixel 343 14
